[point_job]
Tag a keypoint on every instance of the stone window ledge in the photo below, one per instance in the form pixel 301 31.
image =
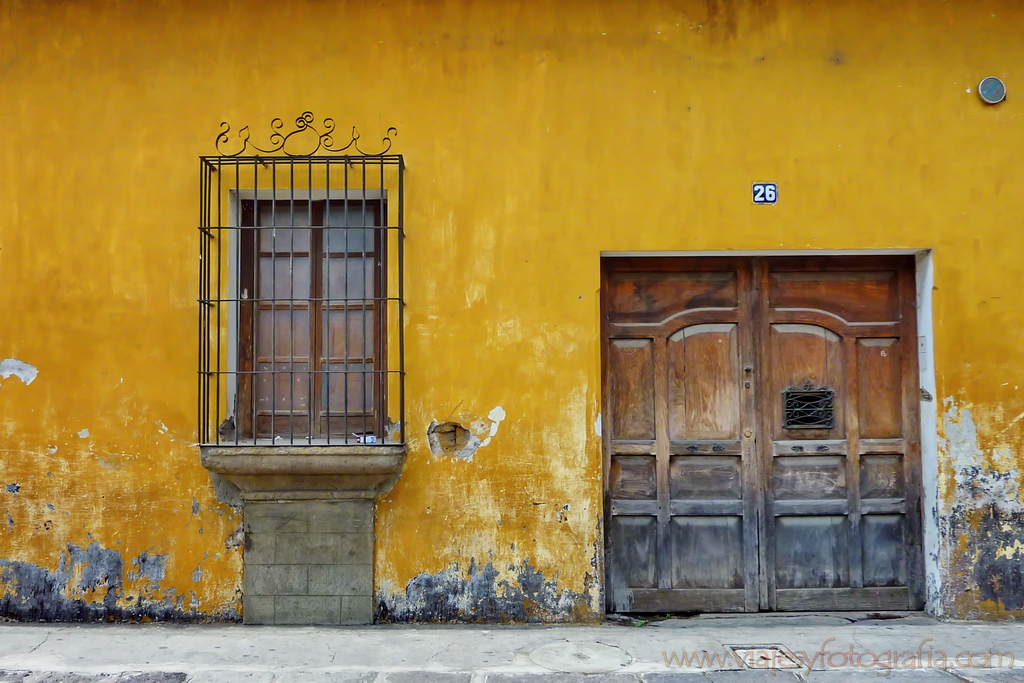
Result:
pixel 306 472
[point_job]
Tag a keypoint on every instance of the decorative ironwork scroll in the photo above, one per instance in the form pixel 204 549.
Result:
pixel 305 139
pixel 808 408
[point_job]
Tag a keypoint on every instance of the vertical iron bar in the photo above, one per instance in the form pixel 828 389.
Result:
pixel 325 307
pixel 401 296
pixel 237 302
pixel 380 364
pixel 253 304
pixel 344 309
pixel 200 427
pixel 254 297
pixel 362 275
pixel 311 405
pixel 273 304
pixel 291 303
pixel 217 269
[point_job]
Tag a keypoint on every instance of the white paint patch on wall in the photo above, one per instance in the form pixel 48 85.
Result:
pixel 19 368
pixel 496 415
pixel 83 434
pixel 597 426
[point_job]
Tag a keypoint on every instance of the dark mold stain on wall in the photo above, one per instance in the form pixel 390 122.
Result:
pixel 152 567
pixel 1001 578
pixel 29 592
pixel 479 597
pixel 985 580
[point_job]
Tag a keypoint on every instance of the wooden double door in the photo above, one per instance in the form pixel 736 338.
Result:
pixel 761 434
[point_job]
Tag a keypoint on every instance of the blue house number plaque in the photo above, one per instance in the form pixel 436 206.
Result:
pixel 766 193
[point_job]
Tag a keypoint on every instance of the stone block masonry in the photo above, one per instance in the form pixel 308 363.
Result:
pixel 309 562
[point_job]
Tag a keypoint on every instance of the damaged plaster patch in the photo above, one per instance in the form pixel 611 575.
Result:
pixel 480 597
pixel 83 434
pixel 151 567
pixel 14 488
pixel 978 486
pixel 452 438
pixel 226 491
pixel 197 575
pixel 985 578
pixel 236 539
pixel 20 369
pixel 29 592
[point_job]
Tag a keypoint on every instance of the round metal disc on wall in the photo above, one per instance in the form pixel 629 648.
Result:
pixel 991 90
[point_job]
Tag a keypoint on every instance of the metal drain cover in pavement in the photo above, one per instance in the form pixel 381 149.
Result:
pixel 584 658
pixel 766 657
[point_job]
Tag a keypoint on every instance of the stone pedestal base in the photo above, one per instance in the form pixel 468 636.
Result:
pixel 309 562
pixel 309 528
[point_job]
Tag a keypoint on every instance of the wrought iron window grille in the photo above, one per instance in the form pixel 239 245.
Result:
pixel 301 295
pixel 808 408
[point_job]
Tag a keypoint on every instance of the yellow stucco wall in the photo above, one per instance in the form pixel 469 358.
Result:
pixel 537 135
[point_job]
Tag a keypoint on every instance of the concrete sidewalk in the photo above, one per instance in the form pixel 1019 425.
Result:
pixel 809 648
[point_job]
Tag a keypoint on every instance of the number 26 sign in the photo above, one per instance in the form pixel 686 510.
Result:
pixel 766 193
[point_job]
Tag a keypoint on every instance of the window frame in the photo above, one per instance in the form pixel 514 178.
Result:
pixel 317 421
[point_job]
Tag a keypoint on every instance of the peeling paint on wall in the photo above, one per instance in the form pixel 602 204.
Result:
pixel 150 567
pixel 236 539
pixel 480 596
pixel 983 524
pixel 20 369
pixel 197 574
pixel 88 585
pixel 982 478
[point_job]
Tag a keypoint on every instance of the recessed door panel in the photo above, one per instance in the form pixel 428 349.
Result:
pixel 812 552
pixel 703 382
pixel 707 552
pixel 631 367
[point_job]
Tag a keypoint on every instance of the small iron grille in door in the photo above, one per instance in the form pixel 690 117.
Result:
pixel 808 408
pixel 300 290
